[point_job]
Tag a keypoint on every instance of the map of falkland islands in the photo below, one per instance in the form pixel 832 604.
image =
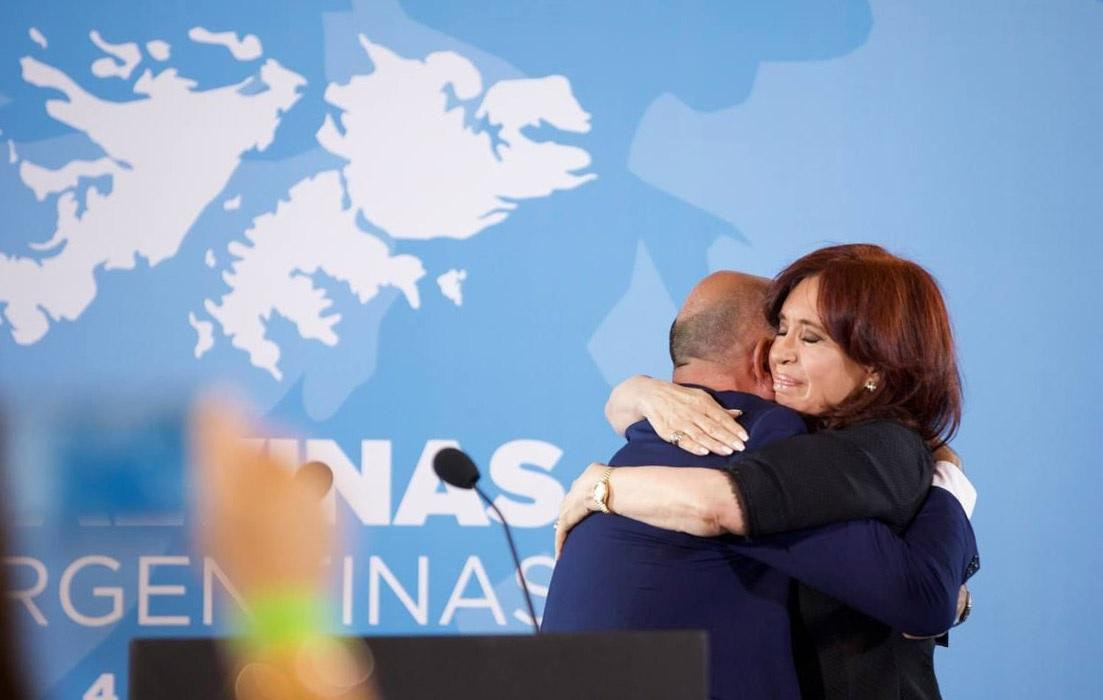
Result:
pixel 309 233
pixel 415 170
pixel 428 152
pixel 167 156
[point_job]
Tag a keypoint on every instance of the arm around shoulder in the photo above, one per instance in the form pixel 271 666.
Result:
pixel 878 469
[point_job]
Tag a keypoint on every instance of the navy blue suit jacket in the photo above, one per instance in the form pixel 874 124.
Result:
pixel 616 573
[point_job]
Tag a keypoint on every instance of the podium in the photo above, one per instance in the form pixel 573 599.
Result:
pixel 657 665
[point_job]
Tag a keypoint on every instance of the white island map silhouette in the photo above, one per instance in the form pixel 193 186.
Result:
pixel 415 168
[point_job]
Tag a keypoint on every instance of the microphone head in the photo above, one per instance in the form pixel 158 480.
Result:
pixel 455 468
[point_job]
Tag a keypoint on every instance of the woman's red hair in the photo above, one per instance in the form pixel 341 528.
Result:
pixel 886 313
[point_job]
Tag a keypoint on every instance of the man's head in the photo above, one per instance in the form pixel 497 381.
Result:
pixel 720 335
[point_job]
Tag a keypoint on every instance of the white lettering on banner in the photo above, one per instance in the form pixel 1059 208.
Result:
pixel 488 600
pixel 535 589
pixel 346 591
pixel 380 574
pixel 102 689
pixel 507 473
pixel 366 490
pixel 27 595
pixel 146 591
pixel 113 592
pixel 423 498
pixel 212 570
pixel 378 570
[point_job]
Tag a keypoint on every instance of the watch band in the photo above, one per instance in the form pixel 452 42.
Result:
pixel 602 491
pixel 968 610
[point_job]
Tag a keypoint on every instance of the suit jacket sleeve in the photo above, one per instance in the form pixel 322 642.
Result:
pixel 909 583
pixel 878 469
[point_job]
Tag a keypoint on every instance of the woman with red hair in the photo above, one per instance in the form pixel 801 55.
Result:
pixel 863 349
pixel 880 313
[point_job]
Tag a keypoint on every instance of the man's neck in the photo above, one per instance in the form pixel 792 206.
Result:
pixel 715 376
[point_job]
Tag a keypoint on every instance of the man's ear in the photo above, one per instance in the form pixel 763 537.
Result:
pixel 760 364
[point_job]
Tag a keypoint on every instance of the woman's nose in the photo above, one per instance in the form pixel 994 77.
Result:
pixel 782 350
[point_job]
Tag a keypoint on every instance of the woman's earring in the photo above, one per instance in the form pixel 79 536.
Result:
pixel 871 385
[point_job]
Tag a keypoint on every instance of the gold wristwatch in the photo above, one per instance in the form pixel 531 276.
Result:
pixel 602 491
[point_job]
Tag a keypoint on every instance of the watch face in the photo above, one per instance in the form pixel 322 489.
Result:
pixel 599 492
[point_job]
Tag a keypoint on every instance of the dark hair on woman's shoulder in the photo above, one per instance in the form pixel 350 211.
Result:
pixel 887 313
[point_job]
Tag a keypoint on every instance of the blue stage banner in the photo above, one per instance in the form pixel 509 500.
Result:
pixel 400 226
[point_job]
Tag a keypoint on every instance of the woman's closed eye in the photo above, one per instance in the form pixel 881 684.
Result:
pixel 808 338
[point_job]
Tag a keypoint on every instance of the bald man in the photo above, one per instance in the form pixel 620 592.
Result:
pixel 616 573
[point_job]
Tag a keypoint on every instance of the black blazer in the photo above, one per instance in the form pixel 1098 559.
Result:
pixel 877 469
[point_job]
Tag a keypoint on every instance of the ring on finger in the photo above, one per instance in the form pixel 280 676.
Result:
pixel 676 437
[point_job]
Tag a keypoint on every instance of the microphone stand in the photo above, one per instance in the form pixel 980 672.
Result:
pixel 516 559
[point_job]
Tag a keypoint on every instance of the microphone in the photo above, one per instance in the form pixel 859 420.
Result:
pixel 455 468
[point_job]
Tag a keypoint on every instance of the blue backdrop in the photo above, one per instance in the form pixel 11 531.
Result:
pixel 397 224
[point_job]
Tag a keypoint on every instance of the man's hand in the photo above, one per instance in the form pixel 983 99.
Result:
pixel 962 602
pixel 963 599
pixel 577 504
pixel 945 454
pixel 950 475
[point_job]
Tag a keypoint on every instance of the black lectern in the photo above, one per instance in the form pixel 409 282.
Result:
pixel 602 666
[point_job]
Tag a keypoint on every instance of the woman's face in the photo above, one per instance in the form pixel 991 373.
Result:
pixel 811 372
